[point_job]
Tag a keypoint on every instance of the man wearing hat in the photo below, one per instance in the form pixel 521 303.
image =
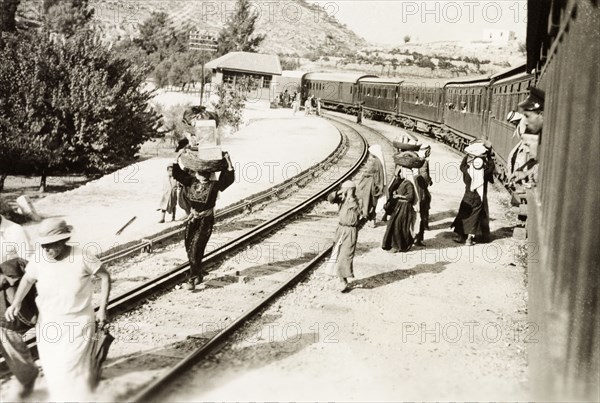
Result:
pixel 346 234
pixel 14 245
pixel 532 109
pixel 525 170
pixel 63 279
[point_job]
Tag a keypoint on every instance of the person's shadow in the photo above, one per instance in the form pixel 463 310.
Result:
pixel 382 279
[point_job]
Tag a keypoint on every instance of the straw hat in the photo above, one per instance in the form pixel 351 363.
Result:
pixel 53 230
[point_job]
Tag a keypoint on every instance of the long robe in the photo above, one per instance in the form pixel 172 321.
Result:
pixel 168 201
pixel 473 214
pixel 345 236
pixel 66 322
pixel 371 187
pixel 398 234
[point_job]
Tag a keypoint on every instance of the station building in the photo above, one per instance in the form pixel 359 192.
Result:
pixel 262 67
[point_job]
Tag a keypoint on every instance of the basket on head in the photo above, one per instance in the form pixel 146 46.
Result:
pixel 406 146
pixel 408 159
pixel 190 160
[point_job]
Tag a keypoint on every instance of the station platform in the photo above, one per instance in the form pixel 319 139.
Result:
pixel 272 148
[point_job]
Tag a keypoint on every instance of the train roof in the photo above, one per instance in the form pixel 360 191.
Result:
pixel 509 79
pixel 377 80
pixel 510 72
pixel 477 80
pixel 339 77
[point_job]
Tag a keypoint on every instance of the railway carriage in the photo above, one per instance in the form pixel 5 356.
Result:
pixel 337 91
pixel 421 107
pixel 466 112
pixel 379 95
pixel 506 91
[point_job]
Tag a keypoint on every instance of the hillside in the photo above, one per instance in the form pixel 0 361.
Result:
pixel 305 32
pixel 430 62
pixel 293 27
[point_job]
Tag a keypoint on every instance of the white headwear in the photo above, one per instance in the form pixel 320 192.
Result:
pixel 375 149
pixel 476 149
pixel 477 179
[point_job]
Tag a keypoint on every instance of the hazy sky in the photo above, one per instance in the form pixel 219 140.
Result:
pixel 388 21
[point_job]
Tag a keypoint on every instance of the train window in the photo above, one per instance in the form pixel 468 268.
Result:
pixel 350 90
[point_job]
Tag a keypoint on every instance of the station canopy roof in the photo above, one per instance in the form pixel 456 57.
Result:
pixel 247 62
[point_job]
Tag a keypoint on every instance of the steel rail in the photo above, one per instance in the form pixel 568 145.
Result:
pixel 156 386
pixel 135 295
pixel 151 391
pixel 235 208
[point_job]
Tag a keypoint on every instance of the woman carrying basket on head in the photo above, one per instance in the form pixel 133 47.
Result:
pixel 473 219
pixel 403 204
pixel 201 190
pixel 372 184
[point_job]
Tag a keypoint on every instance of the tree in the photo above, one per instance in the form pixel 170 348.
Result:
pixel 66 17
pixel 237 34
pixel 7 15
pixel 406 38
pixel 230 107
pixel 69 106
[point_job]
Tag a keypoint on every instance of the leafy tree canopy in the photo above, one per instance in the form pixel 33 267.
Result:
pixel 237 34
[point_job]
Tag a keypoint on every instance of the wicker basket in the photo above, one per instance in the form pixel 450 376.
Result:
pixel 406 146
pixel 408 160
pixel 190 160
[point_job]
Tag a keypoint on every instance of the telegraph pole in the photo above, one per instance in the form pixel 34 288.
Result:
pixel 204 42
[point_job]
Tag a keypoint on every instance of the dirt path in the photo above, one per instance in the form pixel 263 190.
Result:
pixel 444 322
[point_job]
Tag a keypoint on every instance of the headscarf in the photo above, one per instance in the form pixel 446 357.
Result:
pixel 375 149
pixel 477 179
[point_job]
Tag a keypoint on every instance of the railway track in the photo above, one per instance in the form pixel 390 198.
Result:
pixel 122 261
pixel 243 280
pixel 229 246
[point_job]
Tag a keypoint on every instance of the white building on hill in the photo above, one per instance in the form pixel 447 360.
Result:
pixel 498 35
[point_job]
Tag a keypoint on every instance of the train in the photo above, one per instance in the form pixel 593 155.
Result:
pixel 456 112
pixel 563 240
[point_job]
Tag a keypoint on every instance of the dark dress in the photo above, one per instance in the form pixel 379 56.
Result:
pixel 370 187
pixel 398 232
pixel 201 198
pixel 473 214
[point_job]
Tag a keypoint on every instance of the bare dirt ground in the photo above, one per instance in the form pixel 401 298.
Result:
pixel 444 322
